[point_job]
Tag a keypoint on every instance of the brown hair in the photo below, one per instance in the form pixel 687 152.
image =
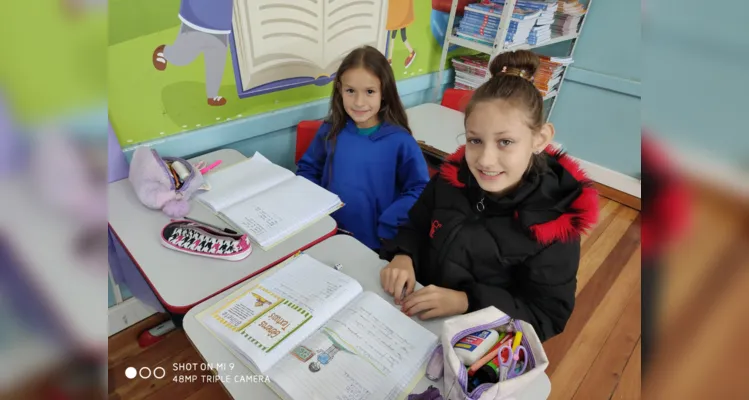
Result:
pixel 511 81
pixel 391 108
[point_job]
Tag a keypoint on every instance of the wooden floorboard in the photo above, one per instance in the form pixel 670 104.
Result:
pixel 594 292
pixel 630 385
pixel 606 371
pixel 619 196
pixel 596 357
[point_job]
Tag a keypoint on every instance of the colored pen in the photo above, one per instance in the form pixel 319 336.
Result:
pixel 516 342
pixel 227 230
pixel 210 167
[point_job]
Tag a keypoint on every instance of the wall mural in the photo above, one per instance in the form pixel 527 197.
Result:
pixel 176 66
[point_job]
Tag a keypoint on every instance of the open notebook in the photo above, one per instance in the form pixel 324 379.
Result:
pixel 267 201
pixel 317 335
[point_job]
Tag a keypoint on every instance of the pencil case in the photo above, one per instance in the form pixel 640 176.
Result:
pixel 159 186
pixel 456 378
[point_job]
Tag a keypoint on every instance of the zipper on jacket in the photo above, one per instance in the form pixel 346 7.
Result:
pixel 480 205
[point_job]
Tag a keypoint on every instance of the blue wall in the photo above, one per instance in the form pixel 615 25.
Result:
pixel 597 114
pixel 695 97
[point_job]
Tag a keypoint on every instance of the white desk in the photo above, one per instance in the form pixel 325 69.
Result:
pixel 439 130
pixel 181 280
pixel 358 262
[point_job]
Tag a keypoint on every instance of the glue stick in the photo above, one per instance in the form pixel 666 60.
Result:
pixel 472 347
pixel 181 170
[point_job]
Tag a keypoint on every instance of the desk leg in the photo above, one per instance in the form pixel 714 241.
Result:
pixel 125 272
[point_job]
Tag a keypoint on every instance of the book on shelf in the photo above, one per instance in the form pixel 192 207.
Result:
pixel 286 44
pixel 262 199
pixel 481 21
pixel 568 17
pixel 316 334
pixel 472 71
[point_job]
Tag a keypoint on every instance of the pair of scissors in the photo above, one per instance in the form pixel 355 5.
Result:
pixel 511 363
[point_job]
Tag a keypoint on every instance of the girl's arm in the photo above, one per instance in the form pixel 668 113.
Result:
pixel 413 234
pixel 412 177
pixel 311 164
pixel 544 296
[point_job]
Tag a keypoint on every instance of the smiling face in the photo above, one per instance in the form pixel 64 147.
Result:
pixel 500 144
pixel 362 97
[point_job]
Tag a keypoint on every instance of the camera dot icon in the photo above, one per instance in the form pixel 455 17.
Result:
pixel 131 372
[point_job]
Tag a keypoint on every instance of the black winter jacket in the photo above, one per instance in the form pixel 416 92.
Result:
pixel 519 253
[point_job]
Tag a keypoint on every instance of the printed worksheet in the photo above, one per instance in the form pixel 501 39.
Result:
pixel 368 350
pixel 265 321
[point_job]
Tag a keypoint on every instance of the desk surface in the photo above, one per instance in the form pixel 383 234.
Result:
pixel 358 262
pixel 182 280
pixel 440 128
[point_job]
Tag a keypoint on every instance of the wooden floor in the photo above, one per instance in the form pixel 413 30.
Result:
pixel 597 357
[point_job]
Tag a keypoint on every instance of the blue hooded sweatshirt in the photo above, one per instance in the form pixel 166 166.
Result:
pixel 378 176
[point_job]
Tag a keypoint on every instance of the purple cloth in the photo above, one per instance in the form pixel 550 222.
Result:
pixel 118 167
pixel 214 15
pixel 432 393
pixel 13 148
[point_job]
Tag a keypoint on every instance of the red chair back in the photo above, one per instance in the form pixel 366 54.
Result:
pixel 305 133
pixel 457 99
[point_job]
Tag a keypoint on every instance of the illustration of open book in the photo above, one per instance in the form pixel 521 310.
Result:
pixel 316 334
pixel 282 44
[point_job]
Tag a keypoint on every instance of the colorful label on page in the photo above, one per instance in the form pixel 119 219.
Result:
pixel 470 342
pixel 302 353
pixel 275 325
pixel 247 308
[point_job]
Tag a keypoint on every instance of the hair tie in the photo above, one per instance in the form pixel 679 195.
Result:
pixel 516 72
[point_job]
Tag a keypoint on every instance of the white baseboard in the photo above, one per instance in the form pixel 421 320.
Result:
pixel 128 313
pixel 615 180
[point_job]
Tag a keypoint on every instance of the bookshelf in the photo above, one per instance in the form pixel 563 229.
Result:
pixel 500 46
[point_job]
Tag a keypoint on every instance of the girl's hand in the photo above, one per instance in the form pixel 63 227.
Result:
pixel 398 276
pixel 434 301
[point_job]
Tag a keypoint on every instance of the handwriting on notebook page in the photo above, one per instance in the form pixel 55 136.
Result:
pixel 259 222
pixel 375 340
pixel 366 350
pixel 307 288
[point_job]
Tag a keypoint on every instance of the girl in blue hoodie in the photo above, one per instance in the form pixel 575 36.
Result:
pixel 365 153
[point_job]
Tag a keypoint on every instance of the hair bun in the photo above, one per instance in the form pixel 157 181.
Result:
pixel 522 63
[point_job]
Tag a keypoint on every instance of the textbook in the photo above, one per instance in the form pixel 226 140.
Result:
pixel 316 334
pixel 266 201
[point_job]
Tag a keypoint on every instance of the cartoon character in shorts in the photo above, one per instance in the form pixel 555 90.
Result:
pixel 206 25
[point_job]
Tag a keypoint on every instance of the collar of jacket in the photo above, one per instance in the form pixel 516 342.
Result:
pixel 559 204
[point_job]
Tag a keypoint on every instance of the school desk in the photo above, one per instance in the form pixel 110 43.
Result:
pixel 357 261
pixel 438 129
pixel 179 280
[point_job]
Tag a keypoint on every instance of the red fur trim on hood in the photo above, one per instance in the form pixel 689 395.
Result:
pixel 583 212
pixel 580 217
pixel 451 166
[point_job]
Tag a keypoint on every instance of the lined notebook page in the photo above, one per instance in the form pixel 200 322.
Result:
pixel 272 215
pixel 242 181
pixel 369 350
pixel 266 319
